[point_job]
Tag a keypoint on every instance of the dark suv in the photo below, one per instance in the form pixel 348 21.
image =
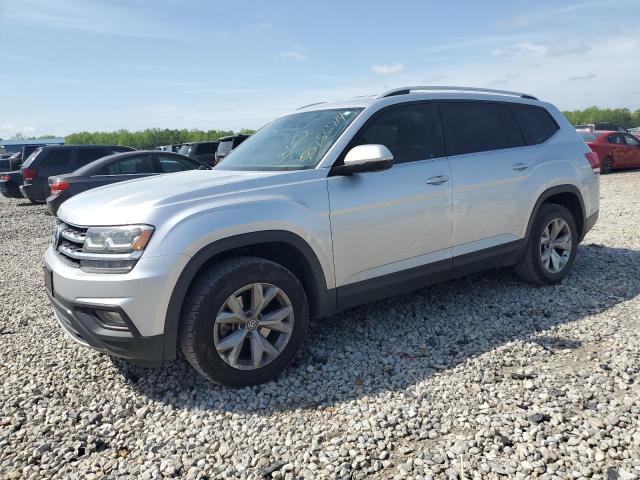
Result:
pixel 227 144
pixel 202 151
pixel 56 160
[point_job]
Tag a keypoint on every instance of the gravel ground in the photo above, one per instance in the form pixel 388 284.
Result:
pixel 482 377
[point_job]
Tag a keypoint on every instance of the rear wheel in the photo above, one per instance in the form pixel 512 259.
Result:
pixel 607 165
pixel 551 248
pixel 243 321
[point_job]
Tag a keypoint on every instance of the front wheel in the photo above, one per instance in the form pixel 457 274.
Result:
pixel 551 248
pixel 243 321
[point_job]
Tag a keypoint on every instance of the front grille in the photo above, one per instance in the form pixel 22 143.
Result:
pixel 69 240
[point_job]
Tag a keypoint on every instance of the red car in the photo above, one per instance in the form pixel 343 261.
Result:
pixel 614 149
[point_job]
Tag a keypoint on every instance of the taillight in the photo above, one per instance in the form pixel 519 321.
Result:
pixel 594 161
pixel 29 173
pixel 6 178
pixel 58 187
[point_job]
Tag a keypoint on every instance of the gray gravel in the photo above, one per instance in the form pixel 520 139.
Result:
pixel 482 377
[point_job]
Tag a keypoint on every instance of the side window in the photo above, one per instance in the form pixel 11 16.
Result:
pixel 206 149
pixel 536 123
pixel 88 155
pixel 615 139
pixel 411 132
pixel 57 157
pixel 170 164
pixel 136 165
pixel 514 134
pixel 473 127
pixel 631 140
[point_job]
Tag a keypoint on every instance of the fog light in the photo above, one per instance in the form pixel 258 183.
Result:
pixel 111 319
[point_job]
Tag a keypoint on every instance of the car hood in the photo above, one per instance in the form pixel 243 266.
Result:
pixel 138 201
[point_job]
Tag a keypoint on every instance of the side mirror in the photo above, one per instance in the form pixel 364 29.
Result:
pixel 365 158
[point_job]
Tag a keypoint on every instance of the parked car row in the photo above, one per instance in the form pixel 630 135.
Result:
pixel 211 152
pixel 57 172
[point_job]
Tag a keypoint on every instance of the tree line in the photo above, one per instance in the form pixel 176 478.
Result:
pixel 621 116
pixel 154 137
pixel 149 138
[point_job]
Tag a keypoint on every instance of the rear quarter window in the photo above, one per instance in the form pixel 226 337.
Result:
pixel 536 123
pixel 56 157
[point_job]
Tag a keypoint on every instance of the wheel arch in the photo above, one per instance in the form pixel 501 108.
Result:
pixel 569 197
pixel 283 247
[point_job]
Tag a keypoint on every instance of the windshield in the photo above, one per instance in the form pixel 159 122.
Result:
pixel 589 137
pixel 295 142
pixel 184 150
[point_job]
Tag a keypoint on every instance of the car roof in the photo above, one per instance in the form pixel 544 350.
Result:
pixel 407 94
pixel 231 137
pixel 92 167
pixel 198 143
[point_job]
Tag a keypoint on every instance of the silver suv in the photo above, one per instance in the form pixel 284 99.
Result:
pixel 328 207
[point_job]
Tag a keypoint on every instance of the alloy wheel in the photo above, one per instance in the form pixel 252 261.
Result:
pixel 555 245
pixel 253 326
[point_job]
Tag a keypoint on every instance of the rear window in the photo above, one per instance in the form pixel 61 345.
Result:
pixel 589 136
pixel 170 164
pixel 32 157
pixel 206 149
pixel 57 157
pixel 185 150
pixel 535 122
pixel 225 146
pixel 473 127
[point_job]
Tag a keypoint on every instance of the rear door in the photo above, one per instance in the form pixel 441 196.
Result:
pixel 633 150
pixel 497 177
pixel 619 150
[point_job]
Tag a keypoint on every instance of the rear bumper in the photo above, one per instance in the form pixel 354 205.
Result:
pixel 32 192
pixel 54 202
pixel 589 222
pixel 10 189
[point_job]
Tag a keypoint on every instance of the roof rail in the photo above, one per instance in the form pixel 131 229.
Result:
pixel 310 105
pixel 407 90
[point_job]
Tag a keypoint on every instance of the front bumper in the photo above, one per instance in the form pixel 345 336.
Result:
pixel 589 223
pixel 140 297
pixel 78 321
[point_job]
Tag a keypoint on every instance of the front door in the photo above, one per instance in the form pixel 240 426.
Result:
pixel 396 223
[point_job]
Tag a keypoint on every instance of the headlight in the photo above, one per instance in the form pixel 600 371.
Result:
pixel 127 239
pixel 102 249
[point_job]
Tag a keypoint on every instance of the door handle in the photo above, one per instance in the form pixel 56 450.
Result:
pixel 520 166
pixel 437 180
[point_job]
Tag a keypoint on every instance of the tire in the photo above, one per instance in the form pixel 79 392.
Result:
pixel 607 165
pixel 208 307
pixel 532 267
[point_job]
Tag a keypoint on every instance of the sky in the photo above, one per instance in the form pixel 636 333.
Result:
pixel 73 65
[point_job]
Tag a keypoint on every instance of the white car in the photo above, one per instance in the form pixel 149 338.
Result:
pixel 331 206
